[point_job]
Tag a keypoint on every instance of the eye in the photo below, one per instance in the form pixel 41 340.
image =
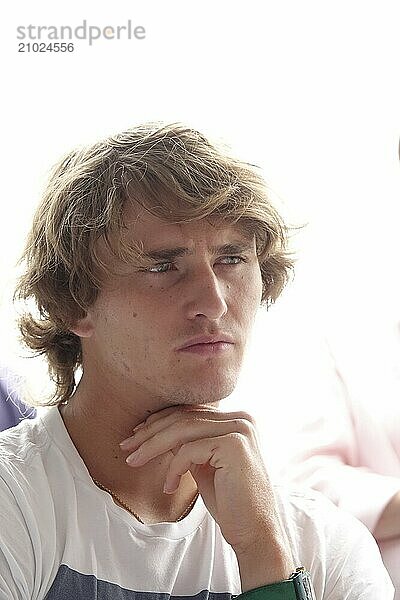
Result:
pixel 161 268
pixel 231 260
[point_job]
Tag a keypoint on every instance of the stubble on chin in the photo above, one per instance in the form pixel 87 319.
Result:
pixel 200 392
pixel 207 385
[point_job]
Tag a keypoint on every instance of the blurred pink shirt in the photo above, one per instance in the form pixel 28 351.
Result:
pixel 348 445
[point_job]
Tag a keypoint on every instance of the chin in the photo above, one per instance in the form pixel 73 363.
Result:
pixel 206 391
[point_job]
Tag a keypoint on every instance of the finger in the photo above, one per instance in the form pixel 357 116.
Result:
pixel 185 414
pixel 155 416
pixel 181 432
pixel 179 428
pixel 195 408
pixel 176 408
pixel 215 453
pixel 152 425
pixel 158 416
pixel 189 456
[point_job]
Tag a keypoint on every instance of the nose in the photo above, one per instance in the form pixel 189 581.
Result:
pixel 206 296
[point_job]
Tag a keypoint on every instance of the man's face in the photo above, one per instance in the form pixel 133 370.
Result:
pixel 176 329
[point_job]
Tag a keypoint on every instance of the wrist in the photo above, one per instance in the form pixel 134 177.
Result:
pixel 275 567
pixel 297 587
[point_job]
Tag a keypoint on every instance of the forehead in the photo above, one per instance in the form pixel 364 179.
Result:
pixel 150 231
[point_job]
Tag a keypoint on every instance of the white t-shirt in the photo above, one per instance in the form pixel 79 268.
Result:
pixel 62 538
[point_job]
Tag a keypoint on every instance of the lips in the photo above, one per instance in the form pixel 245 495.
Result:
pixel 206 340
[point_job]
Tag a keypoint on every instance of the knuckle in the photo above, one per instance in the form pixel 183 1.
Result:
pixel 149 420
pixel 242 426
pixel 183 450
pixel 238 439
pixel 246 417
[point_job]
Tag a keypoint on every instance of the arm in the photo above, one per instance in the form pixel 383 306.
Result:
pixel 253 571
pixel 221 452
pixel 340 553
pixel 17 563
pixel 388 525
pixel 343 557
pixel 356 569
pixel 329 456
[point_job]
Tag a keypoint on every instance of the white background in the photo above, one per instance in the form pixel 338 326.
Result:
pixel 309 90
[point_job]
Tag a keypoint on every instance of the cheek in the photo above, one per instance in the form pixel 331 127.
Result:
pixel 249 292
pixel 256 284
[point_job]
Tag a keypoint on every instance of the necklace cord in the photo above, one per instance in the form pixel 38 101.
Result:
pixel 129 509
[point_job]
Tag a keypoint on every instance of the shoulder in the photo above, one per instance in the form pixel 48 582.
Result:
pixel 18 443
pixel 302 504
pixel 27 511
pixel 27 454
pixel 32 467
pixel 39 467
pixel 338 550
pixel 316 518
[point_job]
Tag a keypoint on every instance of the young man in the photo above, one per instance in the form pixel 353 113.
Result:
pixel 148 259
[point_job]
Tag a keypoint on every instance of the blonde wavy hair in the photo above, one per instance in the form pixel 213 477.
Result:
pixel 175 173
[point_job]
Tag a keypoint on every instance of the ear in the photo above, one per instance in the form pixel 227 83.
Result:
pixel 83 328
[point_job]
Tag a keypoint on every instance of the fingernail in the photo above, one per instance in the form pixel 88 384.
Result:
pixel 125 443
pixel 140 426
pixel 134 458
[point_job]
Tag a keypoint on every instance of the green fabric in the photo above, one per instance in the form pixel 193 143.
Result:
pixel 283 590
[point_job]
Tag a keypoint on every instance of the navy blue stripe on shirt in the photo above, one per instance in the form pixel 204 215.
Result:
pixel 72 585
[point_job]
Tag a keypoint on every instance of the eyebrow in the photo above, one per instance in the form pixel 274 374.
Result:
pixel 170 254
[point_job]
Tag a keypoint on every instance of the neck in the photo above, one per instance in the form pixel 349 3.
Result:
pixel 96 429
